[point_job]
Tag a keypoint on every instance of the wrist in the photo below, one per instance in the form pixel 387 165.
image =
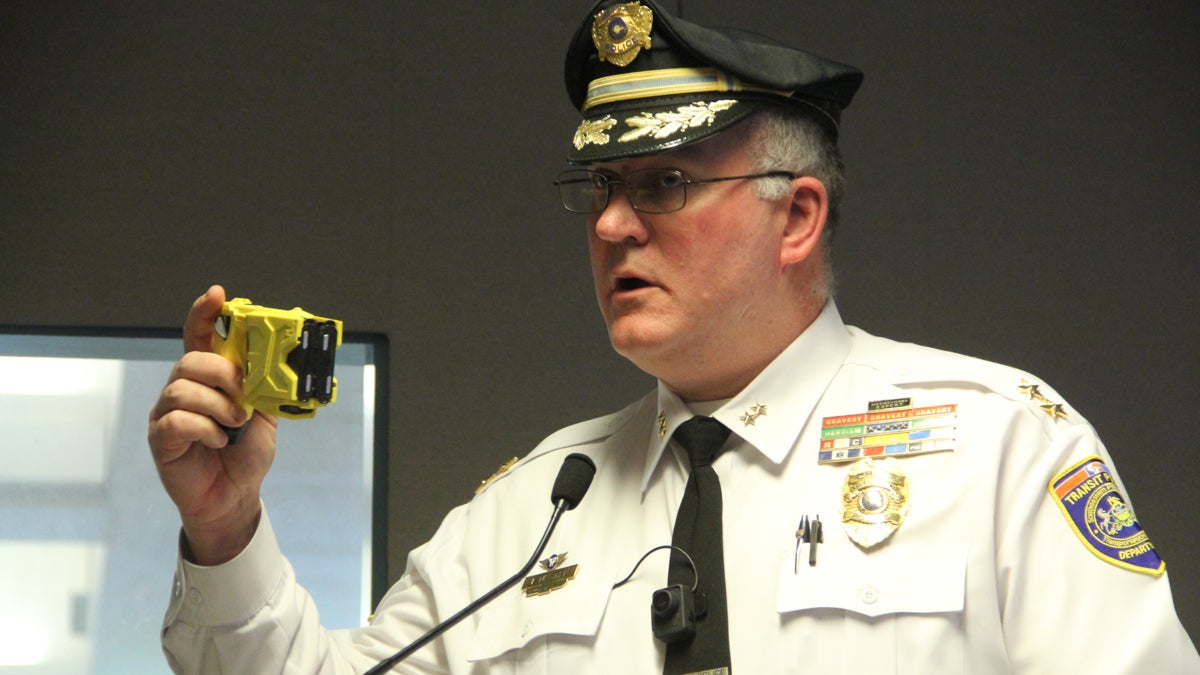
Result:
pixel 217 542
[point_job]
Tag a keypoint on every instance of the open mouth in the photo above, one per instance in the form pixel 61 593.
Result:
pixel 631 284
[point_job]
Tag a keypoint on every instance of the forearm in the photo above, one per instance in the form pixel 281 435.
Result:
pixel 248 615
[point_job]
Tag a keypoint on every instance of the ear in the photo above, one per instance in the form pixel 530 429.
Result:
pixel 806 220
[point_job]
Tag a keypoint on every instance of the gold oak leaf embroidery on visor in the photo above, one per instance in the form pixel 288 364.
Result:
pixel 665 124
pixel 592 131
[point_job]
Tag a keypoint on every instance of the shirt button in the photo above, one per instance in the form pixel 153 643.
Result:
pixel 195 597
pixel 528 627
pixel 868 596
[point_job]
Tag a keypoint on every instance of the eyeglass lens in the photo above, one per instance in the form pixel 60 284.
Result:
pixel 648 190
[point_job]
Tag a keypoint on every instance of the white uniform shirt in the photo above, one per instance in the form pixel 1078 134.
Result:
pixel 985 573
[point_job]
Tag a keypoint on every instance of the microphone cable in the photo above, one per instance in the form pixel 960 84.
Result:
pixel 691 563
pixel 573 480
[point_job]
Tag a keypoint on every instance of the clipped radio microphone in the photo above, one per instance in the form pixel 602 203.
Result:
pixel 573 481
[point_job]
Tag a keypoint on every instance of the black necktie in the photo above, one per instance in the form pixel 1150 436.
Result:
pixel 698 531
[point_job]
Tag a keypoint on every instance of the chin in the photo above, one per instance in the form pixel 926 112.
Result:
pixel 643 348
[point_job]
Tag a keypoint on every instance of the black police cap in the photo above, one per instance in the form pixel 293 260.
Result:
pixel 646 81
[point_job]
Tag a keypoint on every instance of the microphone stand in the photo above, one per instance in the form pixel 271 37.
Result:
pixel 433 633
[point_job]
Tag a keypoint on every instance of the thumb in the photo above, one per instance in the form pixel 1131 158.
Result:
pixel 198 329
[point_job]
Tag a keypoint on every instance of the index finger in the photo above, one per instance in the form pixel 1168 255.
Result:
pixel 198 329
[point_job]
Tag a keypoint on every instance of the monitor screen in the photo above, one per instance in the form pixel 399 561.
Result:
pixel 88 537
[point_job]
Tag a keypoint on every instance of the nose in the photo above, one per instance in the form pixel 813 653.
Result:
pixel 618 223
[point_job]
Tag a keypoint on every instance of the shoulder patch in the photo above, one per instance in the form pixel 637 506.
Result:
pixel 1088 496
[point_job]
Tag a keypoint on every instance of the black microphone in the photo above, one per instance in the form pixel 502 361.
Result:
pixel 573 481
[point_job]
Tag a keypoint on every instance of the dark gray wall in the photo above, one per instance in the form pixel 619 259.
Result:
pixel 1022 189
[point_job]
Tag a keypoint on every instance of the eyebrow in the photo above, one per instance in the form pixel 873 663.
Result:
pixel 672 158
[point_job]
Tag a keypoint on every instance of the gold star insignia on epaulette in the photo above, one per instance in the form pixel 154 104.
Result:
pixel 662 424
pixel 1031 390
pixel 1054 410
pixel 751 416
pixel 499 472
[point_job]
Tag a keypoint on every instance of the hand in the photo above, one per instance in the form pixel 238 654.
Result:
pixel 214 485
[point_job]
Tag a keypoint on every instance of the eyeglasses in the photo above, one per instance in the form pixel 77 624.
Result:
pixel 648 190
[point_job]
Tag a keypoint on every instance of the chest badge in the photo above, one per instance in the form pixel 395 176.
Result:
pixel 874 500
pixel 555 577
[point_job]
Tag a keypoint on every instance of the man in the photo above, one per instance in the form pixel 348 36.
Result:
pixel 881 507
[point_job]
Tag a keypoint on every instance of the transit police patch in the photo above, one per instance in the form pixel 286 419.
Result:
pixel 1089 498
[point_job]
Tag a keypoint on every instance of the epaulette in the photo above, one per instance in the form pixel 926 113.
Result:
pixel 588 431
pixel 947 369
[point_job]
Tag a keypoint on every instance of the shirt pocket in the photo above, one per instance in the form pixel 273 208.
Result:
pixel 895 610
pixel 542 633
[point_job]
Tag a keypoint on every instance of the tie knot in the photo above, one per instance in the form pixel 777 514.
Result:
pixel 702 437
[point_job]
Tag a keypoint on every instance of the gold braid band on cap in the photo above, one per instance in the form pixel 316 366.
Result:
pixel 666 82
pixel 652 84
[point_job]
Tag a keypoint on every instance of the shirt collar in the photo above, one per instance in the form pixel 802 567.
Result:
pixel 772 410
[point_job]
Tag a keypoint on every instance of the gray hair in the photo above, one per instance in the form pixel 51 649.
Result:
pixel 782 139
pixel 785 140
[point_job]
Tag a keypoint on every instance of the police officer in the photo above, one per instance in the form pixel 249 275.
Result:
pixel 882 507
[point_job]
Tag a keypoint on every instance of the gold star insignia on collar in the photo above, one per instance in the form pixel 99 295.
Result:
pixel 662 424
pixel 751 416
pixel 1054 410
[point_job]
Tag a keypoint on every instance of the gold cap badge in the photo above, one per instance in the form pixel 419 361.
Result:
pixel 874 500
pixel 621 32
